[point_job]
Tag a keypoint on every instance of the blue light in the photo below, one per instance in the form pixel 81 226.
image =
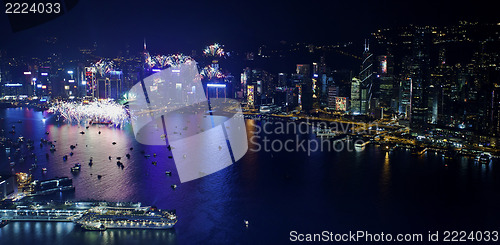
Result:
pixel 13 85
pixel 39 86
pixel 315 75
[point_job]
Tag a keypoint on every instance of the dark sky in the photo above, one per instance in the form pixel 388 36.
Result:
pixel 181 25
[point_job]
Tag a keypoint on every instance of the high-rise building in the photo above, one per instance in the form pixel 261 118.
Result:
pixel 355 96
pixel 366 80
pixel 303 76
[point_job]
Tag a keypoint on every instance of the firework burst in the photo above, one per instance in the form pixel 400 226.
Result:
pixel 104 66
pixel 211 72
pixel 102 111
pixel 214 50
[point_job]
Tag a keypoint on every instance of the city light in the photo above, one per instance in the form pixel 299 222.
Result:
pixel 27 73
pixel 70 72
pixel 71 81
pixel 13 85
pixel 216 85
pixel 44 74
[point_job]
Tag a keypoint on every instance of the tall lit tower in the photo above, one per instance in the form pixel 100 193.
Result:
pixel 366 79
pixel 145 57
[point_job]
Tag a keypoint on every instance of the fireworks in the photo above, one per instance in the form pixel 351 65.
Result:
pixel 104 66
pixel 214 50
pixel 164 61
pixel 211 72
pixel 103 111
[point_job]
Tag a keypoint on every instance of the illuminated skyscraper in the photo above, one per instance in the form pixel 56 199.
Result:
pixel 355 96
pixel 366 80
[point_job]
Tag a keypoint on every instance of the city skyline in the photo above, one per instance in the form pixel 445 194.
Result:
pixel 260 122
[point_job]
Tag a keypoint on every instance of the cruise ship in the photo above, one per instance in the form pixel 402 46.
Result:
pixel 105 217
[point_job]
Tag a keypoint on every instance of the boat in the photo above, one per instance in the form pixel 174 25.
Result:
pixel 94 228
pixel 44 170
pixel 46 187
pixel 484 158
pixel 76 167
pixel 326 133
pixel 168 173
pixel 105 217
pixel 173 186
pixel 3 223
pixel 363 144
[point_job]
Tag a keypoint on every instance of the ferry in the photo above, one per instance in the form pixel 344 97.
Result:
pixel 105 217
pixel 484 158
pixel 50 186
pixel 76 168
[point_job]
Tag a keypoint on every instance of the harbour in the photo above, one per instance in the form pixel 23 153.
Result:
pixel 338 183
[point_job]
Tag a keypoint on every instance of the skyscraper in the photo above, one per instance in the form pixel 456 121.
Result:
pixel 366 80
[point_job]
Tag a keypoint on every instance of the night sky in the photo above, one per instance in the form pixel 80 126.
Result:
pixel 181 26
